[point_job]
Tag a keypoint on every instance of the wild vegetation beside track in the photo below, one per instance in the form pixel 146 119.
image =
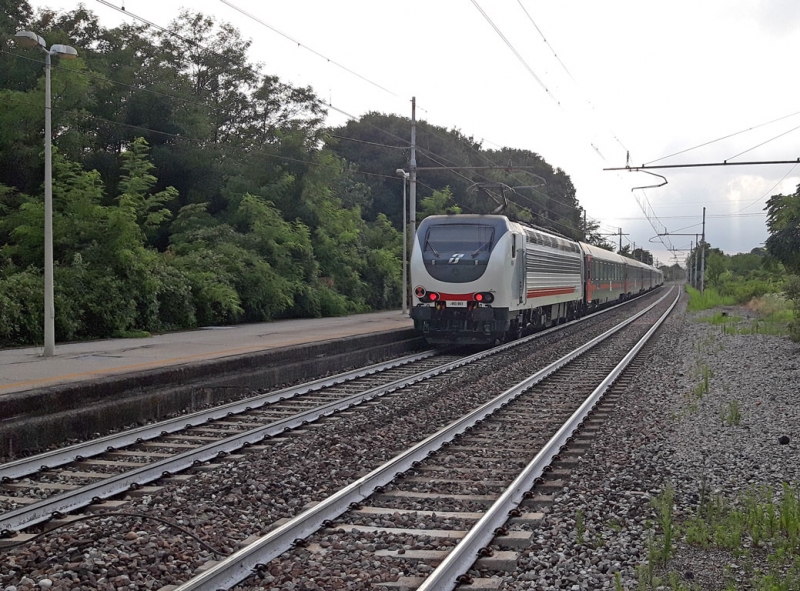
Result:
pixel 724 492
pixel 766 289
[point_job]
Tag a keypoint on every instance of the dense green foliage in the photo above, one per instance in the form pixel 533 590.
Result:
pixel 783 222
pixel 191 188
pixel 755 279
pixel 532 191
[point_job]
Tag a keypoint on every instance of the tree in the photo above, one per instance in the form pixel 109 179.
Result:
pixel 716 265
pixel 642 255
pixel 783 223
pixel 591 234
pixel 440 203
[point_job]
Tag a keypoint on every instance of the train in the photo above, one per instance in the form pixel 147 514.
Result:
pixel 484 279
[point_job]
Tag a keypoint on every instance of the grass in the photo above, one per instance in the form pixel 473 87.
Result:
pixel 663 505
pixel 774 323
pixel 775 312
pixel 757 524
pixel 710 298
pixel 731 416
pixel 695 395
pixel 131 334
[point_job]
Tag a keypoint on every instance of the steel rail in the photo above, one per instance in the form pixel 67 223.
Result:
pixel 31 465
pixel 69 501
pixel 240 565
pixel 463 556
pixel 60 457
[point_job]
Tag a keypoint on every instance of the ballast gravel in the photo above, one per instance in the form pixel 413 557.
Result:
pixel 227 503
pixel 659 434
pixel 662 433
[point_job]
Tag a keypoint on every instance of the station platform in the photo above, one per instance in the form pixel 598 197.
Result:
pixel 24 369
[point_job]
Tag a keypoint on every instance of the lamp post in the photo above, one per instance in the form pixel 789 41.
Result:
pixel 405 176
pixel 29 39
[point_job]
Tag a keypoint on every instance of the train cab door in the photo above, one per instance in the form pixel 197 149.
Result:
pixel 588 280
pixel 520 267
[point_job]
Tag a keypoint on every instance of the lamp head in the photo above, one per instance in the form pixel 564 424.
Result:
pixel 402 173
pixel 65 52
pixel 29 39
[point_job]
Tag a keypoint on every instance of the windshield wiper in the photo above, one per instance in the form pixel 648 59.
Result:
pixel 480 248
pixel 428 243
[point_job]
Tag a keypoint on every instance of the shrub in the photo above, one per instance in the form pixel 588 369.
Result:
pixel 21 308
pixel 710 298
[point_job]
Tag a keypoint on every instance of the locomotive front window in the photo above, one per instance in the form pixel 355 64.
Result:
pixel 468 239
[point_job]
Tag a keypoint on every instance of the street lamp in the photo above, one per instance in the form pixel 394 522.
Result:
pixel 405 176
pixel 29 39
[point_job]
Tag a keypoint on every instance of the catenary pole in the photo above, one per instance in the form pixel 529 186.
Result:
pixel 412 207
pixel 703 255
pixel 405 176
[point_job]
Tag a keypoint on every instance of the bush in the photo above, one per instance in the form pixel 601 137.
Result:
pixel 176 308
pixel 21 308
pixel 793 293
pixel 710 298
pixel 743 290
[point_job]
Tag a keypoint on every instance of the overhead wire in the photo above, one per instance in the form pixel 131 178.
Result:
pixel 530 18
pixel 102 78
pixel 185 138
pixel 485 158
pixel 764 143
pixel 769 190
pixel 592 144
pixel 430 154
pixel 329 105
pixel 360 141
pixel 514 51
pixel 306 47
pixel 563 65
pixel 723 138
pixel 203 143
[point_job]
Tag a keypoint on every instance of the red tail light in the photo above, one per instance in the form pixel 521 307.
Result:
pixel 433 296
pixel 484 297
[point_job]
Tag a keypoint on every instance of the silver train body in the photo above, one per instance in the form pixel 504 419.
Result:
pixel 477 279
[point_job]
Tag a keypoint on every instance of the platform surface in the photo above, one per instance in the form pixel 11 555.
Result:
pixel 25 369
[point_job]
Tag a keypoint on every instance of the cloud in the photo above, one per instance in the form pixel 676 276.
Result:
pixel 778 17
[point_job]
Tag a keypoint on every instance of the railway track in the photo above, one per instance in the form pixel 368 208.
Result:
pixel 56 482
pixel 451 498
pixel 45 510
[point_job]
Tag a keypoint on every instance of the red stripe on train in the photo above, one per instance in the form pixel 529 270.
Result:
pixel 540 293
pixel 456 297
pixel 467 297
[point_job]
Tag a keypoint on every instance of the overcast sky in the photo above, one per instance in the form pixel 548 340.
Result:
pixel 652 78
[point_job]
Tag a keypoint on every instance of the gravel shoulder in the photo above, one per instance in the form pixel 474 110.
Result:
pixel 665 433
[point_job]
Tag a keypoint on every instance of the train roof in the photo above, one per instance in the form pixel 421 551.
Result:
pixel 606 255
pixel 557 241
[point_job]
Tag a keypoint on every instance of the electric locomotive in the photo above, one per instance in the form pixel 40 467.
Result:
pixel 479 279
pixel 482 278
